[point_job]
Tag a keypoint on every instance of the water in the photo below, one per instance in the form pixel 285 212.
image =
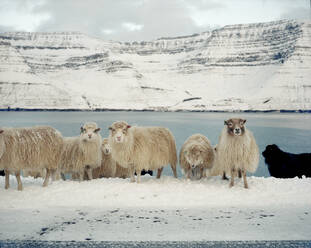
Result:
pixel 290 131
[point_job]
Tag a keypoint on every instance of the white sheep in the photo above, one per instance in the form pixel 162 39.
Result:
pixel 196 157
pixel 33 149
pixel 139 148
pixel 82 153
pixel 237 151
pixel 108 165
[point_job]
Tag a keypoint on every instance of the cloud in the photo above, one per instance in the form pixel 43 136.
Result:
pixel 129 20
pixel 297 13
pixel 19 15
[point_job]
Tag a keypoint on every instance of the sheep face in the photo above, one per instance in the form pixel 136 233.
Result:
pixel 194 156
pixel 106 147
pixel 89 132
pixel 119 131
pixel 235 126
pixel 270 152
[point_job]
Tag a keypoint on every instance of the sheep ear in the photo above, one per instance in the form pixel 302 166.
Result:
pixel 225 122
pixel 97 130
pixel 128 126
pixel 1 131
pixel 81 129
pixel 243 121
pixel 109 128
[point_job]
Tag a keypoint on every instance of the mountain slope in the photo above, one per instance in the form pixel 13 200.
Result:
pixel 262 66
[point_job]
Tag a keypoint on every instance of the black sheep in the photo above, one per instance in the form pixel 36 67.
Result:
pixel 287 165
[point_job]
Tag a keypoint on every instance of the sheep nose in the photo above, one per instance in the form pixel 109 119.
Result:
pixel 118 138
pixel 90 136
pixel 192 166
pixel 237 130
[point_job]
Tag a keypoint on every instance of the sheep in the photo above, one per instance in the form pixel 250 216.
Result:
pixel 139 148
pixel 122 172
pixel 217 171
pixel 286 165
pixel 32 148
pixel 82 153
pixel 196 157
pixel 108 165
pixel 237 151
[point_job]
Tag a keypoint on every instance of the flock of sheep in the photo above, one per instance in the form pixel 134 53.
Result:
pixel 127 151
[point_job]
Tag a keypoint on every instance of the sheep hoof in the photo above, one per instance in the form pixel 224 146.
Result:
pixel 20 188
pixel 231 185
pixel 7 187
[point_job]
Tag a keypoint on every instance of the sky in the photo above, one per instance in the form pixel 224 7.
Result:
pixel 137 20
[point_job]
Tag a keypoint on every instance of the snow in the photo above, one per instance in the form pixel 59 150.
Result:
pixel 165 209
pixel 263 66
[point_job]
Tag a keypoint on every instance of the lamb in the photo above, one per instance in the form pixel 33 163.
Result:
pixel 108 165
pixel 237 150
pixel 82 153
pixel 196 157
pixel 33 148
pixel 139 148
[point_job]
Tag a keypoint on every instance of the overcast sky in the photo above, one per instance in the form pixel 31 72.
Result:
pixel 129 20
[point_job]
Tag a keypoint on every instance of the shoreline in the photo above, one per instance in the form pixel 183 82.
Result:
pixel 152 110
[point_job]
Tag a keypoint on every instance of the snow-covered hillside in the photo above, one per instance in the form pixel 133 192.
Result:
pixel 262 66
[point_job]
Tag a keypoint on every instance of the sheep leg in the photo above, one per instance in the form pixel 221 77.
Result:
pixel 244 179
pixel 224 177
pixel 160 172
pixel 132 173
pixel 189 173
pixel 47 177
pixel 81 176
pixel 63 176
pixel 7 179
pixel 174 170
pixel 138 172
pixel 53 174
pixel 89 172
pixel 232 178
pixel 240 173
pixel 19 181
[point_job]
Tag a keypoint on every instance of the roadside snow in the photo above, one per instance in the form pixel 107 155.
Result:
pixel 165 209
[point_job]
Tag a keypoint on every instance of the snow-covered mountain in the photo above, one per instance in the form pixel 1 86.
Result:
pixel 262 66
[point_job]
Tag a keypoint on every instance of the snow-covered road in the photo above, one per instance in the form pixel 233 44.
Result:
pixel 158 210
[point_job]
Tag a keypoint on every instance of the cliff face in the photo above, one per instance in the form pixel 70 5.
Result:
pixel 263 66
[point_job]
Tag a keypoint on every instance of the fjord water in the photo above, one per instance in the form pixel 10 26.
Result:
pixel 290 131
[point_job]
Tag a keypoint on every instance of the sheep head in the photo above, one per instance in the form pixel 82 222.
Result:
pixel 106 148
pixel 235 126
pixel 89 131
pixel 194 155
pixel 119 131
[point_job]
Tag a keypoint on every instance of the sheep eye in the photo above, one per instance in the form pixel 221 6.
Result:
pixel 230 124
pixel 123 131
